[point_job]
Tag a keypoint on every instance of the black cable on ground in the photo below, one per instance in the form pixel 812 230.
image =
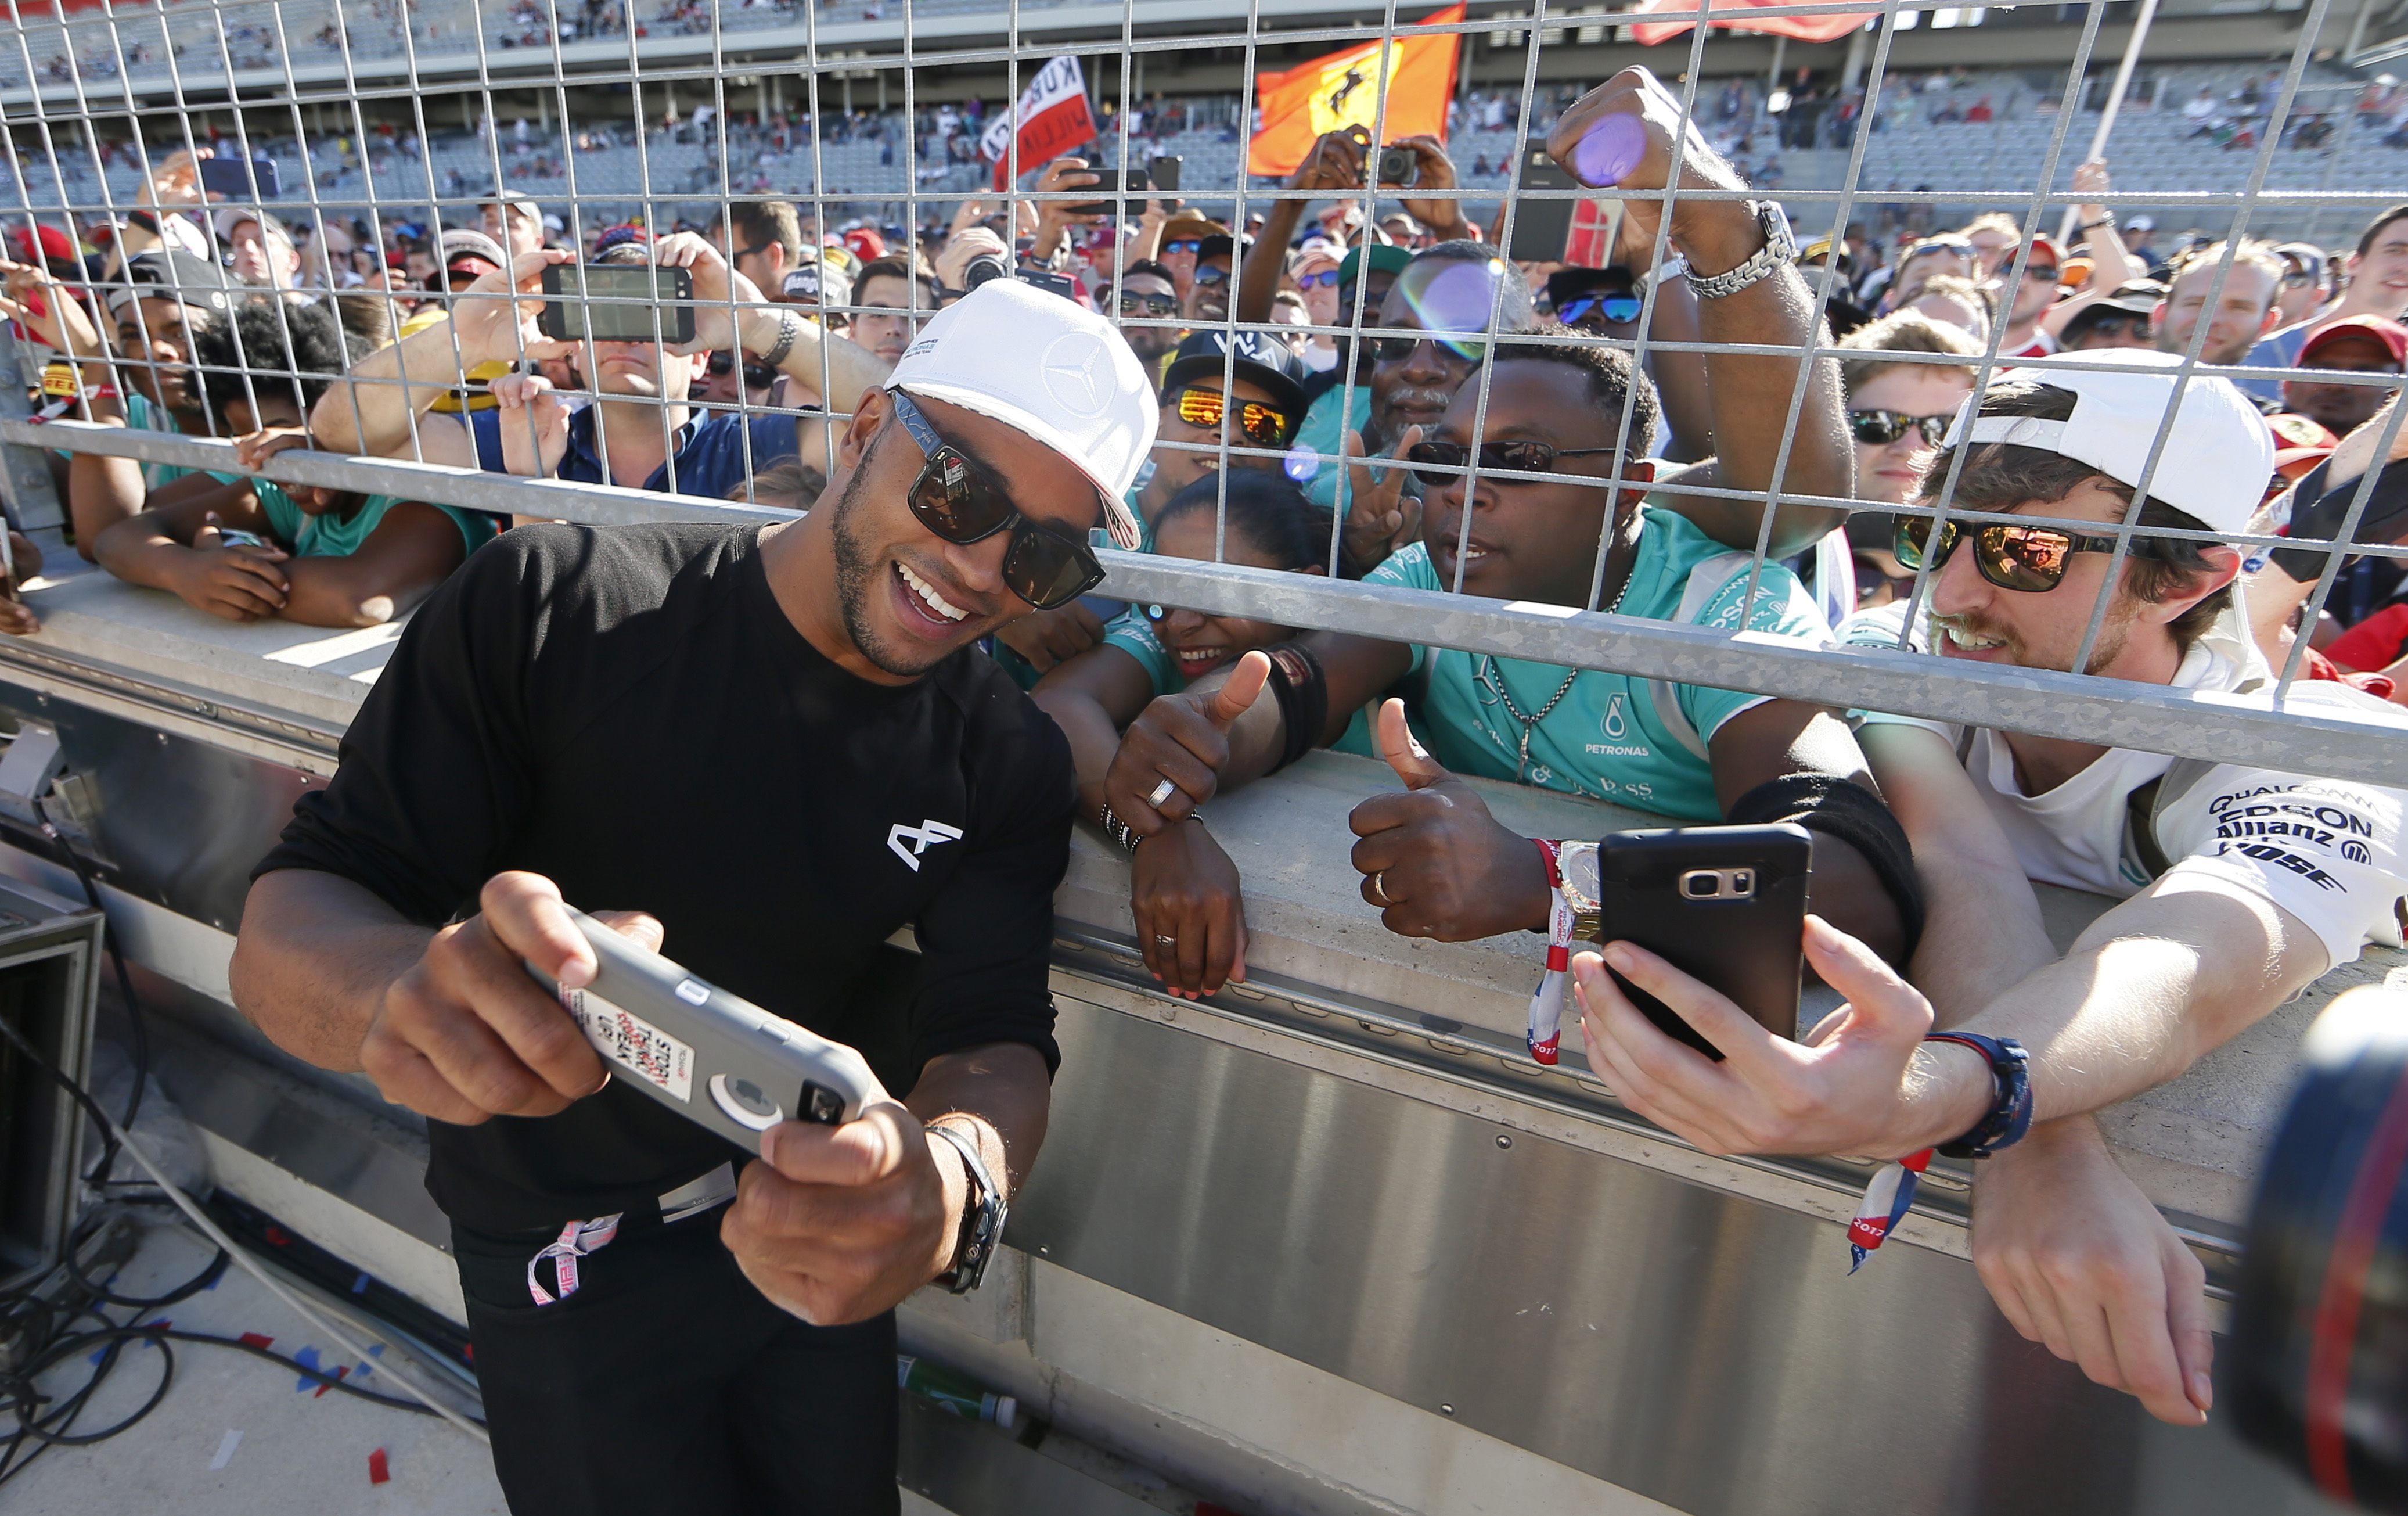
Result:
pixel 117 959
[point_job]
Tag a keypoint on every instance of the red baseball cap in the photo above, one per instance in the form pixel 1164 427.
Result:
pixel 2044 254
pixel 2393 336
pixel 55 246
pixel 864 244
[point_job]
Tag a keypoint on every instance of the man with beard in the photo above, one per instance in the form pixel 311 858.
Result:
pixel 845 764
pixel 2239 885
pixel 2354 345
pixel 1530 529
pixel 162 300
pixel 1149 294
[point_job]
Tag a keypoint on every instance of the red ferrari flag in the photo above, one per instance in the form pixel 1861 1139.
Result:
pixel 1416 74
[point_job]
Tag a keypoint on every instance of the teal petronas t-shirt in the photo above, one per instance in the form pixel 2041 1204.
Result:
pixel 1636 742
pixel 326 536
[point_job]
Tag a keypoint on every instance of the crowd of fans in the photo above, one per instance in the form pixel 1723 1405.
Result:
pixel 1392 399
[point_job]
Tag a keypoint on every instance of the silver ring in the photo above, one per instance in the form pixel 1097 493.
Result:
pixel 1380 887
pixel 1166 942
pixel 1161 792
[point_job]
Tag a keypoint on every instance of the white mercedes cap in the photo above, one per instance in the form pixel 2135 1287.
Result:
pixel 1046 367
pixel 2218 453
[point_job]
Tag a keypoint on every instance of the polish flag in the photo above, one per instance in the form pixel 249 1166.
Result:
pixel 1054 118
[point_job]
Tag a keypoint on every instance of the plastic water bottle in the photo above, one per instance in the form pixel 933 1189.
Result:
pixel 954 1390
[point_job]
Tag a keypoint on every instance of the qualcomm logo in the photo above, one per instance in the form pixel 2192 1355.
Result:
pixel 1615 723
pixel 925 835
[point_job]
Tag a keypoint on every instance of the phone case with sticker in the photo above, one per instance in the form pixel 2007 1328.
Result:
pixel 708 1053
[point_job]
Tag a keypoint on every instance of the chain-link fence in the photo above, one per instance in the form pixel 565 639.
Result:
pixel 308 159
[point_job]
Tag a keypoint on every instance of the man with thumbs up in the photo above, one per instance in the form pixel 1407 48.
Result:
pixel 1546 501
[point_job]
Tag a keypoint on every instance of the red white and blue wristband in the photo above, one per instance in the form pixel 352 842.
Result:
pixel 1545 1037
pixel 1892 1190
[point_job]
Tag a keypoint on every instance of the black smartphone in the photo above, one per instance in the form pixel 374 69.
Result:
pixel 1725 905
pixel 1542 228
pixel 1166 172
pixel 1400 167
pixel 1051 283
pixel 244 184
pixel 616 303
pixel 1135 181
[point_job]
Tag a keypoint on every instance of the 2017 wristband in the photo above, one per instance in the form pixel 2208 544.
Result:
pixel 2011 1112
pixel 1296 682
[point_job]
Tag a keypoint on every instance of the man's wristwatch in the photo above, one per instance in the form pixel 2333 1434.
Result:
pixel 1780 247
pixel 982 1226
pixel 2010 1111
pixel 1576 866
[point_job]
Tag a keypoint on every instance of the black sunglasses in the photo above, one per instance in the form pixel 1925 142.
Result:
pixel 2117 325
pixel 1879 428
pixel 961 502
pixel 758 376
pixel 2028 559
pixel 1397 349
pixel 1523 458
pixel 1134 301
pixel 1210 273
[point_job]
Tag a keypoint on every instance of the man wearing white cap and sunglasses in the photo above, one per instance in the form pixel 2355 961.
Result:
pixel 2238 886
pixel 779 745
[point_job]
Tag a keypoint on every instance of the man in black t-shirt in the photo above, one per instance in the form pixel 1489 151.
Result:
pixel 779 746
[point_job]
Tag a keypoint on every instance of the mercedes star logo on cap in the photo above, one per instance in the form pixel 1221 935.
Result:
pixel 1077 374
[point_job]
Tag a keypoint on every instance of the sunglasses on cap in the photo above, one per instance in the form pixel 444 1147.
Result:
pixel 1324 277
pixel 1185 244
pixel 961 502
pixel 1397 349
pixel 2137 325
pixel 1523 458
pixel 1879 428
pixel 1621 309
pixel 2028 559
pixel 1210 274
pixel 1265 426
pixel 758 376
pixel 1133 302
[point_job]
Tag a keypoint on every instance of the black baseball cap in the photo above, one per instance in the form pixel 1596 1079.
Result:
pixel 1257 358
pixel 1221 246
pixel 172 274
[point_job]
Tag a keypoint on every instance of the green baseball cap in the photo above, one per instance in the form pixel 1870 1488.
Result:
pixel 1385 260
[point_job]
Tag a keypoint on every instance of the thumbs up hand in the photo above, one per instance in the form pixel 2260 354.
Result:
pixel 1432 857
pixel 1183 739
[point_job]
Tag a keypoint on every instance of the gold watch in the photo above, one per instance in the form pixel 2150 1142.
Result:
pixel 1576 864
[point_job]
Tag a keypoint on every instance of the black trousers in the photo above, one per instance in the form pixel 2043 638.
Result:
pixel 666 1383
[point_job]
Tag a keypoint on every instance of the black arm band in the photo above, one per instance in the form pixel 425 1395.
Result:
pixel 1303 699
pixel 1841 808
pixel 2318 513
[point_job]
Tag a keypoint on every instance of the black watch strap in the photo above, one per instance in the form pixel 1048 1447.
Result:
pixel 2011 1112
pixel 981 1227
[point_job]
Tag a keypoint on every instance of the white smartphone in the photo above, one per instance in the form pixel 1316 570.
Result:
pixel 706 1053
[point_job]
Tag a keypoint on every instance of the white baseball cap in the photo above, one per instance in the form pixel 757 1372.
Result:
pixel 2217 455
pixel 1049 368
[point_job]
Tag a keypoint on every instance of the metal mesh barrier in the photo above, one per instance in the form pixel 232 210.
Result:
pixel 871 111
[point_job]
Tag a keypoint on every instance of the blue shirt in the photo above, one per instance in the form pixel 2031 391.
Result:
pixel 710 454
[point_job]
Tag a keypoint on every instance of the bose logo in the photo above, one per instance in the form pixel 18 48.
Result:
pixel 925 835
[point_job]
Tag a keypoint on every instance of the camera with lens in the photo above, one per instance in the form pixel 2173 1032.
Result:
pixel 2320 1320
pixel 985 269
pixel 1400 167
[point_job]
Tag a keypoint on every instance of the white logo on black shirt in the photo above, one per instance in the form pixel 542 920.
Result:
pixel 925 835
